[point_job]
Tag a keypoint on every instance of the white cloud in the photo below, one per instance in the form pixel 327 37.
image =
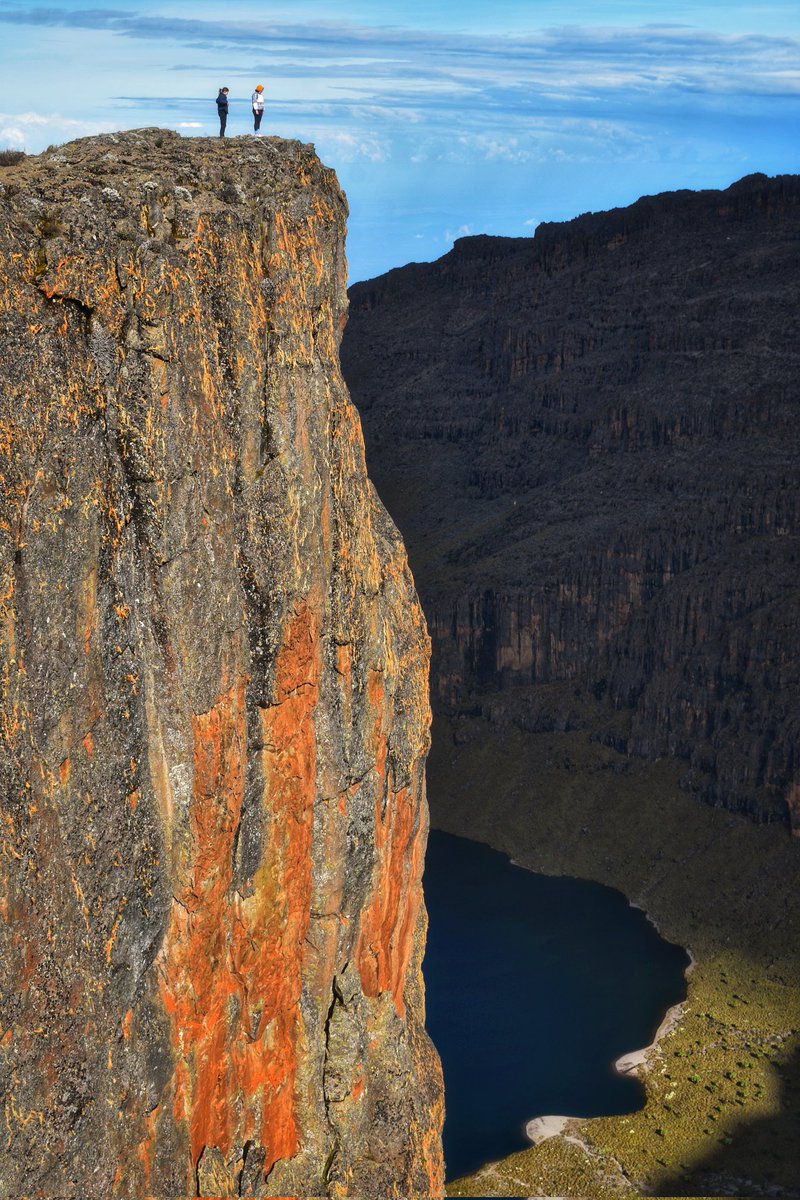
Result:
pixel 507 149
pixel 33 130
pixel 190 125
pixel 28 118
pixel 347 147
pixel 11 138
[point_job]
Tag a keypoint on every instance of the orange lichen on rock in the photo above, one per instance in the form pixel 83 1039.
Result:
pixel 196 974
pixel 387 927
pixel 231 964
pixel 386 933
pixel 289 766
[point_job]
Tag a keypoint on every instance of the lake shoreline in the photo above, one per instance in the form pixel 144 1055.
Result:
pixel 564 974
pixel 540 1129
pixel 566 803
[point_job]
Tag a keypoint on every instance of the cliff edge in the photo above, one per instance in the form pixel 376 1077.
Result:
pixel 213 696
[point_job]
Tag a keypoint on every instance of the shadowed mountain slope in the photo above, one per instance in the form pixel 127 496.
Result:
pixel 589 439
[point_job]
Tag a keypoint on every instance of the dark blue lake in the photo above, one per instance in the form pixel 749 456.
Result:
pixel 535 986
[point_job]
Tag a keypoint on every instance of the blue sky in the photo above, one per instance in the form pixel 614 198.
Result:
pixel 440 118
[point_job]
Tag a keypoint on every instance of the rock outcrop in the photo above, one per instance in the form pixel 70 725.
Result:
pixel 214 696
pixel 589 440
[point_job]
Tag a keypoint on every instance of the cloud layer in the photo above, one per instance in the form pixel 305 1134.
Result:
pixel 564 61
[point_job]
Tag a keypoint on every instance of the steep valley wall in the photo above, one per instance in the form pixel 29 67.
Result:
pixel 213 696
pixel 589 439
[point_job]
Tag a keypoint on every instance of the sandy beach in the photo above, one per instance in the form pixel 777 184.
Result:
pixel 539 1129
pixel 542 1128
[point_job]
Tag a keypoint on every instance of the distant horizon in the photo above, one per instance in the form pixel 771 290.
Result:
pixel 488 233
pixel 440 122
pixel 530 235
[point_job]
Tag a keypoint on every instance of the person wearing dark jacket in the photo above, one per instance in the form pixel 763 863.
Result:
pixel 222 109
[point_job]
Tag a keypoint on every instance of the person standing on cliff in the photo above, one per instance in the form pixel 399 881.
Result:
pixel 258 108
pixel 222 109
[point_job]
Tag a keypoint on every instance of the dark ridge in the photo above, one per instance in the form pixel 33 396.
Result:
pixel 589 439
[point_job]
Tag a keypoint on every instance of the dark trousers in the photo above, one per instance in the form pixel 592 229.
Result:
pixel 257 115
pixel 223 121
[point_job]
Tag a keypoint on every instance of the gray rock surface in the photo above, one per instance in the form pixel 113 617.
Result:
pixel 213 696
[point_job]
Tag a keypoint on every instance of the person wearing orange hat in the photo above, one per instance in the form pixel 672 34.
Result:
pixel 258 108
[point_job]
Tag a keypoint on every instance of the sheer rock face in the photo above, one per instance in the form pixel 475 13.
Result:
pixel 590 441
pixel 214 696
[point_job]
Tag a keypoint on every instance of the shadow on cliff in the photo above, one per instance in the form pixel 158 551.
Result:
pixel 755 1163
